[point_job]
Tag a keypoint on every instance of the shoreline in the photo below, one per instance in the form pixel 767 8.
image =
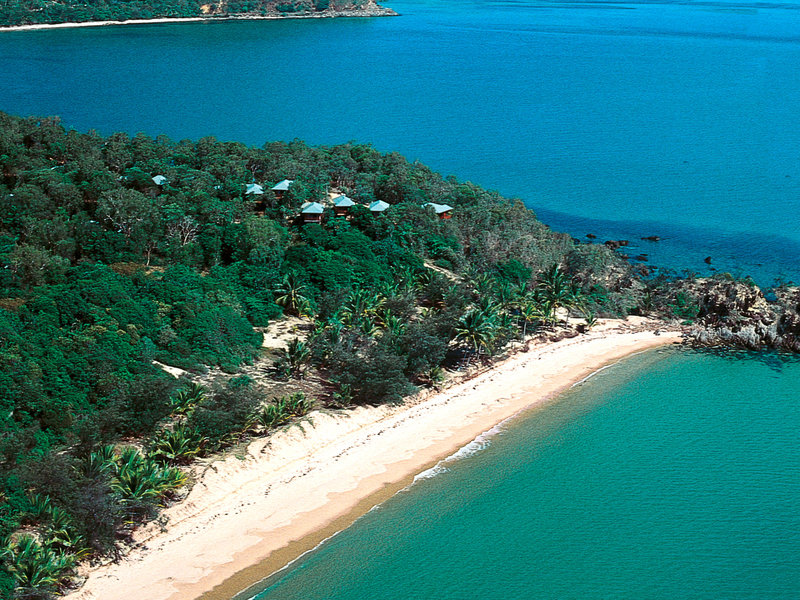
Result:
pixel 372 12
pixel 247 518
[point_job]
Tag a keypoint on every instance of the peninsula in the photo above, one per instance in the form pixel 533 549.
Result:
pixel 19 15
pixel 164 303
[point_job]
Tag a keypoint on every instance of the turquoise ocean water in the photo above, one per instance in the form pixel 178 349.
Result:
pixel 661 477
pixel 671 475
pixel 623 120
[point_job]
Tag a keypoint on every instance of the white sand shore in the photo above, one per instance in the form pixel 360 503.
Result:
pixel 295 489
pixel 377 12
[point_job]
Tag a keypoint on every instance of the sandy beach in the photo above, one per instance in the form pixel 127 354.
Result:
pixel 376 12
pixel 250 515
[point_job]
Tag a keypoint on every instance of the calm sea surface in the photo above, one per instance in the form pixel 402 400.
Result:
pixel 662 477
pixel 623 120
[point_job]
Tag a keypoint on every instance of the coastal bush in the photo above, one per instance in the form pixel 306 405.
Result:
pixel 224 413
pixel 375 375
pixel 281 410
pixel 684 307
pixel 176 446
pixel 426 349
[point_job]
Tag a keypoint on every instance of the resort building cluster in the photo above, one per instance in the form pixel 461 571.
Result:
pixel 313 212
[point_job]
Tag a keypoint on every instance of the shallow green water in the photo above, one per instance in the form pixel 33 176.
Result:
pixel 661 477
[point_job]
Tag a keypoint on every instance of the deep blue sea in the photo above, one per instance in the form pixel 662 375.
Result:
pixel 623 120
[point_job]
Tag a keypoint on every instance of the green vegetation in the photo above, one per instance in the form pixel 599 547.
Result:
pixel 27 12
pixel 107 275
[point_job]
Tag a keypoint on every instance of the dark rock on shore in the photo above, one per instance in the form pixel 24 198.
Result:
pixel 736 313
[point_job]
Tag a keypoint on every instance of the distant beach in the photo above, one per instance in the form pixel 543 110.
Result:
pixel 247 516
pixel 371 12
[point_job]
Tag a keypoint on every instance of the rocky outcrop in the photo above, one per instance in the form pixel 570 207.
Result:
pixel 736 313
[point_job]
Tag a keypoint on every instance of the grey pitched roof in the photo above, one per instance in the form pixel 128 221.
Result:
pixel 439 208
pixel 343 202
pixel 379 206
pixel 312 208
pixel 254 188
pixel 159 180
pixel 282 186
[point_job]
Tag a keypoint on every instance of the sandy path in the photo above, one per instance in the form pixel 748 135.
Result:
pixel 296 488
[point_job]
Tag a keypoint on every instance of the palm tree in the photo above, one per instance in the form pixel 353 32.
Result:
pixel 507 296
pixel 394 325
pixel 96 466
pixel 61 532
pixel 555 290
pixel 297 355
pixel 178 446
pixel 405 279
pixel 361 310
pixel 530 312
pixel 140 480
pixel 40 505
pixel 186 399
pixel 36 570
pixel 129 459
pixel 280 410
pixel 483 285
pixel 290 295
pixel 424 278
pixel 477 329
pixel 298 405
pixel 591 318
pixel 488 306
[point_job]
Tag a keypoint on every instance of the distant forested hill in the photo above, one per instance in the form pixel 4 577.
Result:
pixel 26 12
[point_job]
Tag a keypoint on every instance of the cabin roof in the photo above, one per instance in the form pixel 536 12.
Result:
pixel 312 208
pixel 254 188
pixel 379 206
pixel 439 208
pixel 282 185
pixel 343 202
pixel 159 180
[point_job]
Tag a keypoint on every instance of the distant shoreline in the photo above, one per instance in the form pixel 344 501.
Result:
pixel 371 12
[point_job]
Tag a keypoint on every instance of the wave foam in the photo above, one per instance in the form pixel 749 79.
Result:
pixel 479 444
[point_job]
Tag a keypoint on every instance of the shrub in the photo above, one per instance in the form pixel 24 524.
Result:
pixel 225 412
pixel 375 376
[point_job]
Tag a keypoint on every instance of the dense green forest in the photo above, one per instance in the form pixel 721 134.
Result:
pixel 107 273
pixel 27 12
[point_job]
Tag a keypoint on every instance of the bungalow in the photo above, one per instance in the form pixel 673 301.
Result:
pixel 281 187
pixel 312 212
pixel 254 189
pixel 378 206
pixel 443 211
pixel 342 204
pixel 160 180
